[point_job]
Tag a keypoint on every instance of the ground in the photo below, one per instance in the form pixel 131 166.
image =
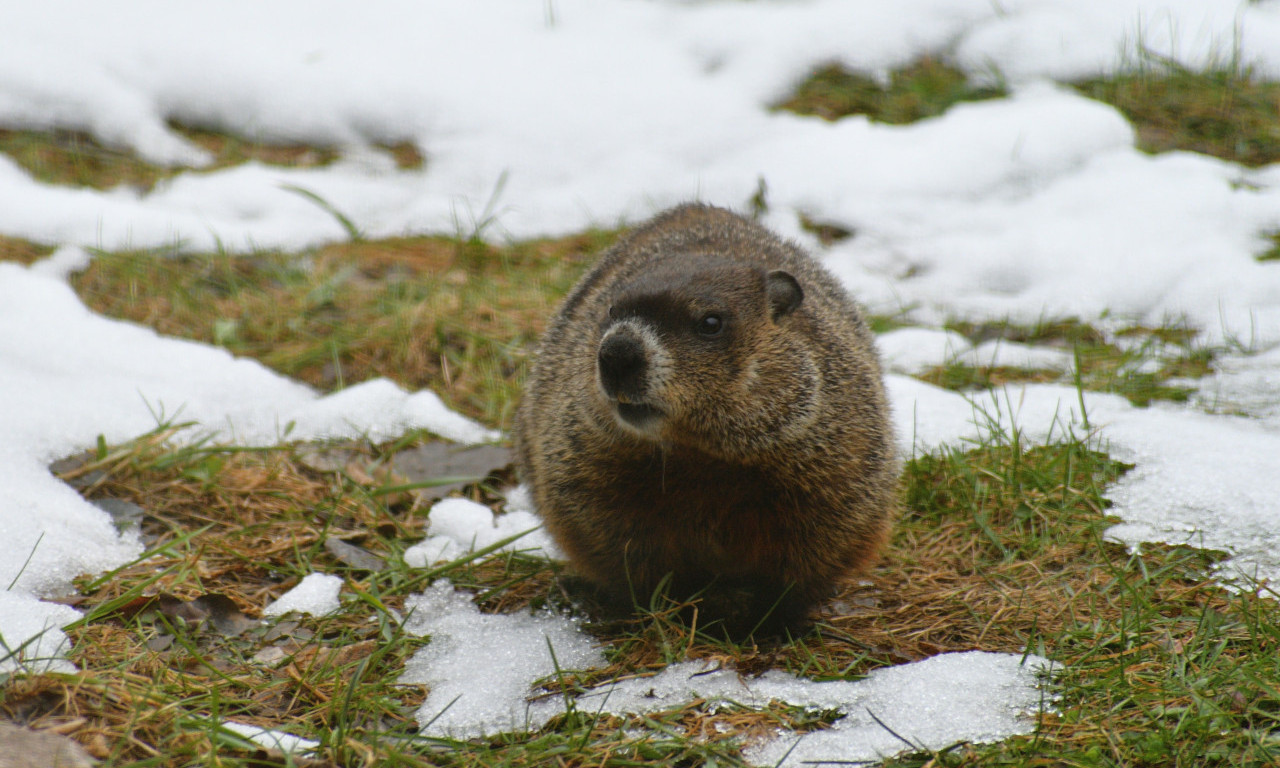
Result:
pixel 1000 545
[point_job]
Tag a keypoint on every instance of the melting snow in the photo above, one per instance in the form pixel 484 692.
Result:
pixel 1031 207
pixel 481 667
pixel 316 594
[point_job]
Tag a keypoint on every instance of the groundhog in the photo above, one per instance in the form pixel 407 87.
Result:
pixel 707 414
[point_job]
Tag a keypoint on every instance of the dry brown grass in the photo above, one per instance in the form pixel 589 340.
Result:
pixel 76 159
pixel 998 548
pixel 22 251
pixel 925 88
pixel 458 317
pixel 247 524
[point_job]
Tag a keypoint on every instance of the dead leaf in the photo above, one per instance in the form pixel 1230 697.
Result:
pixel 271 656
pixel 160 643
pixel 357 472
pixel 124 514
pixel 329 458
pixel 356 557
pixel 219 611
pixel 432 461
pixel 285 629
pixel 226 615
pixel 73 470
pixel 354 461
pixel 25 748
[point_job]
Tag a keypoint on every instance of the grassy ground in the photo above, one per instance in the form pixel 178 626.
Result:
pixel 70 158
pixel 462 318
pixel 458 316
pixel 999 547
pixel 1224 111
pixel 1142 364
pixel 923 89
pixel 22 251
pixel 1272 253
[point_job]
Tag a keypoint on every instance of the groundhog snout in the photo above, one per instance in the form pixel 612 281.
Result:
pixel 624 367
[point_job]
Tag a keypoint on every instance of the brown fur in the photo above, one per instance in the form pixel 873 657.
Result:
pixel 766 479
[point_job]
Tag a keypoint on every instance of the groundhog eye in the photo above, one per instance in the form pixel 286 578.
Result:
pixel 710 325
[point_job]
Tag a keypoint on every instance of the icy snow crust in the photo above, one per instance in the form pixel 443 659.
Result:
pixel 460 526
pixel 68 375
pixel 953 697
pixel 316 594
pixel 287 743
pixel 592 112
pixel 481 667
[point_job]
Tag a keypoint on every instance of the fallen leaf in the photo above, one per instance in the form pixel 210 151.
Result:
pixel 160 643
pixel 25 748
pixel 356 557
pixel 434 461
pixel 329 458
pixel 280 629
pixel 270 656
pixel 73 470
pixel 124 514
pixel 226 615
pixel 219 611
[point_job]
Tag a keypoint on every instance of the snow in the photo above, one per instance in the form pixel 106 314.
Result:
pixel 69 375
pixel 1204 480
pixel 585 113
pixel 480 667
pixel 457 527
pixel 1245 384
pixel 931 704
pixel 31 636
pixel 914 350
pixel 316 594
pixel 280 741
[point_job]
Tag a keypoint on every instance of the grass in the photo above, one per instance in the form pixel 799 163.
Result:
pixel 1000 547
pixel 77 159
pixel 22 251
pixel 457 316
pixel 1142 364
pixel 462 318
pixel 923 89
pixel 1226 110
pixel 1272 253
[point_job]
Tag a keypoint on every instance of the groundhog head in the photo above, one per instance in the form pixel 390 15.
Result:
pixel 708 356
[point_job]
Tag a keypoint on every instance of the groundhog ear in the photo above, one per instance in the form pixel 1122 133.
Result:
pixel 784 292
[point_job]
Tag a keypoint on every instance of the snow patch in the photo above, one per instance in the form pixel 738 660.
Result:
pixel 459 526
pixel 316 594
pixel 280 741
pixel 481 668
pixel 31 636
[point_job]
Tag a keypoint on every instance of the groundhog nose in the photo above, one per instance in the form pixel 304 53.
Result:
pixel 622 366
